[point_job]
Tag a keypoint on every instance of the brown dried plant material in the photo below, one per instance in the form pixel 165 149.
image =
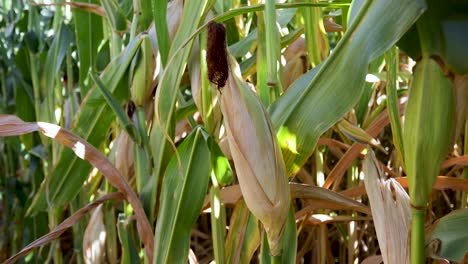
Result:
pixel 391 212
pixel 60 229
pixel 94 239
pixel 216 55
pixel 91 8
pixel 319 198
pixel 124 157
pixel 14 126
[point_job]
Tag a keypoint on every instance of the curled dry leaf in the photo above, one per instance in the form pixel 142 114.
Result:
pixel 91 8
pixel 317 219
pixel 442 183
pixel 336 175
pixel 391 212
pixel 296 62
pixel 12 125
pixel 331 26
pixel 321 198
pixel 292 71
pixel 60 229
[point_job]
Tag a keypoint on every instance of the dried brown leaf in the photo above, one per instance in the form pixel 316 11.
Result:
pixel 322 198
pixel 336 175
pixel 12 125
pixel 442 183
pixel 317 219
pixel 91 8
pixel 60 229
pixel 391 212
pixel 88 152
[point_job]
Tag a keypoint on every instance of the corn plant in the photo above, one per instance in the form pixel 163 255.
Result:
pixel 160 131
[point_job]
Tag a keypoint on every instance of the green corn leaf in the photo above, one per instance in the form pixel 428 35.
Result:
pixel 166 95
pixel 317 44
pixel 244 235
pixel 218 224
pixel 115 15
pixel 182 194
pixel 391 58
pixel 272 47
pixel 88 37
pixel 289 241
pixel 428 128
pixel 117 109
pixel 91 123
pixel 449 239
pixel 311 106
pixel 441 31
pixel 142 8
pixel 362 107
pixel 129 249
pixel 54 60
pixel 162 31
pixel 261 64
pixel 219 163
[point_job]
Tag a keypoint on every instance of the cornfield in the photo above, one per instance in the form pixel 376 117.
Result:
pixel 233 131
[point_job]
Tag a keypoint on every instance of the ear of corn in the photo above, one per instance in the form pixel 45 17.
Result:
pixel 94 238
pixel 427 129
pixel 257 158
pixel 144 65
pixel 426 138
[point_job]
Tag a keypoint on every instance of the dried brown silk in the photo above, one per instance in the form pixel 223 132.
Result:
pixel 216 55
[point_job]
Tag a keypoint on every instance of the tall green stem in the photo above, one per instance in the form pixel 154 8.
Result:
pixel 417 236
pixel 272 42
pixel 276 259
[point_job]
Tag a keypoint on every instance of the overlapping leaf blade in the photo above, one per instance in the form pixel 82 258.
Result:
pixel 310 107
pixel 91 123
pixel 88 37
pixel 182 195
pixel 166 95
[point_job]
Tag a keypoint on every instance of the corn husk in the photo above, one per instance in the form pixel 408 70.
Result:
pixel 94 239
pixel 391 212
pixel 259 164
pixel 143 72
pixel 124 158
pixel 428 128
